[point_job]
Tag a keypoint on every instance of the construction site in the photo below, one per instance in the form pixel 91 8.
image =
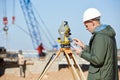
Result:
pixel 9 69
pixel 44 58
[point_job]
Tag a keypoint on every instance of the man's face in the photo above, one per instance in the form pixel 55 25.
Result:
pixel 89 26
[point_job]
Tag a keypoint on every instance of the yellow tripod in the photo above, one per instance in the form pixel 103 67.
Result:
pixel 75 68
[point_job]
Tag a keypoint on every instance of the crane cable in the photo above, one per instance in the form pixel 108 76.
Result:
pixel 46 28
pixel 13 17
pixel 5 21
pixel 42 28
pixel 22 29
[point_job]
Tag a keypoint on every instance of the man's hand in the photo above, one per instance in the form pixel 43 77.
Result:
pixel 78 50
pixel 78 42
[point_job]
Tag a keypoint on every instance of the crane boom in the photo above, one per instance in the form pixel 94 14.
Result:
pixel 32 23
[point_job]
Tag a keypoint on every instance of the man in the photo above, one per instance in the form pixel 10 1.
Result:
pixel 40 51
pixel 22 63
pixel 102 50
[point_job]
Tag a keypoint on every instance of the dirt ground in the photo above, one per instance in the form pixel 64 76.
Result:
pixel 63 74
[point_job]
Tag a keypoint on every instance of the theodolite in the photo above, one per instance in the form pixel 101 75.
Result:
pixel 65 41
pixel 65 33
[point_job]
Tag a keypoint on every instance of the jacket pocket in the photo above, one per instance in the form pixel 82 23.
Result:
pixel 94 73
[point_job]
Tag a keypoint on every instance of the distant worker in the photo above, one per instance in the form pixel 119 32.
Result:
pixel 22 63
pixel 102 50
pixel 40 51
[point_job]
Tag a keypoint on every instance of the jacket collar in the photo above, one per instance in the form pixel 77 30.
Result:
pixel 99 28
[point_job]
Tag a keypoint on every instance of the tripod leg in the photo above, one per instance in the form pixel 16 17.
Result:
pixel 74 72
pixel 48 66
pixel 69 65
pixel 78 69
pixel 53 55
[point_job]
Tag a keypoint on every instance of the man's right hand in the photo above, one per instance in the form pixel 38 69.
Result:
pixel 78 42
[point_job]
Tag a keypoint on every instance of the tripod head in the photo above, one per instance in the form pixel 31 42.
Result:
pixel 65 33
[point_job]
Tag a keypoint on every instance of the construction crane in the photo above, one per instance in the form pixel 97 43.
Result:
pixel 33 24
pixel 31 21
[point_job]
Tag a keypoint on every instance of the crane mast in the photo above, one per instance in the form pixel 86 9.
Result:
pixel 32 23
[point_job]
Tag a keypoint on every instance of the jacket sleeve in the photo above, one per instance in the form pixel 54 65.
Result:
pixel 98 51
pixel 86 49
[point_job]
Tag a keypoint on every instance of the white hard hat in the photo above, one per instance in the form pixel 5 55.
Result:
pixel 91 13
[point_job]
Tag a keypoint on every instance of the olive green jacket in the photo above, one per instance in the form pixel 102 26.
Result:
pixel 102 55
